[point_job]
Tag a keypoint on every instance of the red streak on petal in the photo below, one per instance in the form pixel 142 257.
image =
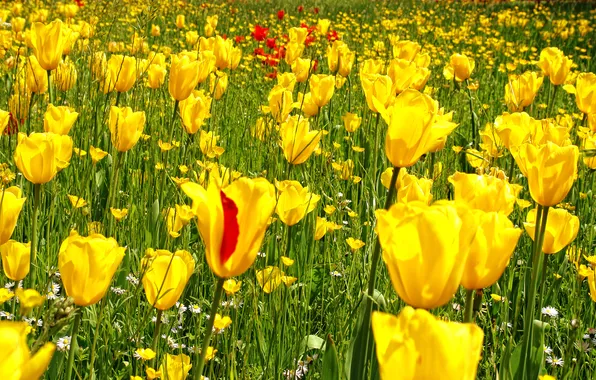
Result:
pixel 231 230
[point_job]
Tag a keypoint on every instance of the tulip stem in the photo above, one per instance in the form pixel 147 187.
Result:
pixel 373 272
pixel 73 343
pixel 209 329
pixel 469 311
pixel 165 165
pixel 102 307
pixel 156 332
pixel 50 93
pixel 33 264
pixel 537 262
pixel 474 131
pixel 551 100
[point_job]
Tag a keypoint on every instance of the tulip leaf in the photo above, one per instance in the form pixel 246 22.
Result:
pixel 535 366
pixel 330 362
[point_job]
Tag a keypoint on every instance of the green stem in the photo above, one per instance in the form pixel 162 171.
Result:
pixel 165 165
pixel 469 311
pixel 537 261
pixel 473 120
pixel 73 343
pixel 156 332
pixel 373 269
pixel 209 329
pixel 102 307
pixel 33 264
pixel 50 93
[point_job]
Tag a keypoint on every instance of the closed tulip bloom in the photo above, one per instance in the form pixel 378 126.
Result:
pixel 550 170
pixel 48 42
pixel 180 21
pixel 293 52
pixel 561 229
pixel 122 71
pixel 40 156
pixel 412 129
pixel 206 61
pixel 522 89
pixel 405 49
pixel 585 93
pixel 59 120
pixel 378 91
pixel 351 122
pixel 232 221
pixel 516 128
pixel 371 67
pixel 156 76
pixel 87 265
pixel 11 204
pixel 422 251
pixel 166 275
pixel 484 192
pixel 177 218
pixel 16 362
pixel 301 68
pixel 494 242
pixel 346 62
pixel 555 65
pixel 65 76
pixel 323 26
pixel 420 78
pixel 333 53
pixel 321 88
pixel 184 76
pixel 402 73
pixel 126 127
pixel 417 345
pixel 37 79
pixel 411 188
pixel 298 142
pixel 218 84
pixel 194 110
pixel 4 119
pixel 459 67
pixel 294 202
pixel 590 144
pixel 175 367
pixel 307 105
pixel 15 259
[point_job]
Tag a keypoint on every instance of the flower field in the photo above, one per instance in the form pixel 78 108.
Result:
pixel 297 190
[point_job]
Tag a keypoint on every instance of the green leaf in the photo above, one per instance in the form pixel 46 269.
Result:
pixel 330 362
pixel 312 342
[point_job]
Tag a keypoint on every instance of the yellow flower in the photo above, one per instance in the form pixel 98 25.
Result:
pixel 484 192
pixel 184 76
pixel 413 130
pixel 555 65
pixel 166 275
pixel 218 84
pixel 280 103
pixel 550 170
pixel 48 42
pixel 351 122
pixel 126 127
pixel 119 214
pixel 297 140
pixel 489 253
pixel 210 354
pixel 409 187
pixel 145 353
pixel 156 76
pixel 269 278
pixel 152 373
pixel 561 229
pixel 293 51
pixel 354 244
pixel 301 68
pixel 40 156
pixel 321 88
pixel 77 202
pixel 4 119
pixel 585 93
pixel 402 73
pixel 16 361
pixel 194 110
pixel 5 295
pixel 221 323
pixel 521 90
pixel 175 367
pixel 11 204
pixel 516 128
pixel 59 120
pixel 208 144
pixel 306 104
pixel 287 261
pixel 378 91
pixel 65 75
pixel 231 286
pixel 180 21
pixel 405 49
pixel 15 259
pixel 294 202
pixel 232 221
pixel 28 299
pixel 459 67
pixel 95 259
pixel 415 344
pixel 97 154
pixel 177 218
pixel 423 251
pixel 122 72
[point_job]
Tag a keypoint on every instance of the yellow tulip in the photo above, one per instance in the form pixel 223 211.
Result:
pixel 417 345
pixel 206 61
pixel 351 122
pixel 420 78
pixel 180 21
pixel 550 170
pixel 323 26
pixel 371 67
pixel 306 104
pixel 218 84
pixel 87 265
pixel 208 144
pixel 402 73
pixel 4 119
pixel 294 202
pixel 423 251
pixel 413 130
pixel 165 276
pixel 405 49
pixel 232 221
pixel 194 110
pixel 65 75
pixel 378 91
pixel 521 90
pixel 37 79
pixel 226 55
pixel 16 362
pixel 122 72
pixel 555 65
pixel 175 367
pixel 28 299
pixel 71 38
pixel 11 204
pixel 280 103
pixel 459 67
pixel 516 128
pixel 48 42
pixel 293 51
pixel 155 30
pixel 156 76
pixel 561 229
pixel 287 80
pixel 184 76
pixel 15 259
pixel 585 93
pixel 177 218
pixel 59 120
pixel 484 192
pixel 126 127
pixel 301 68
pixel 40 156
pixel 494 241
pixel 96 154
pixel 297 140
pixel 590 144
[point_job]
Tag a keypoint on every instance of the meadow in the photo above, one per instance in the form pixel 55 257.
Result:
pixel 297 190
